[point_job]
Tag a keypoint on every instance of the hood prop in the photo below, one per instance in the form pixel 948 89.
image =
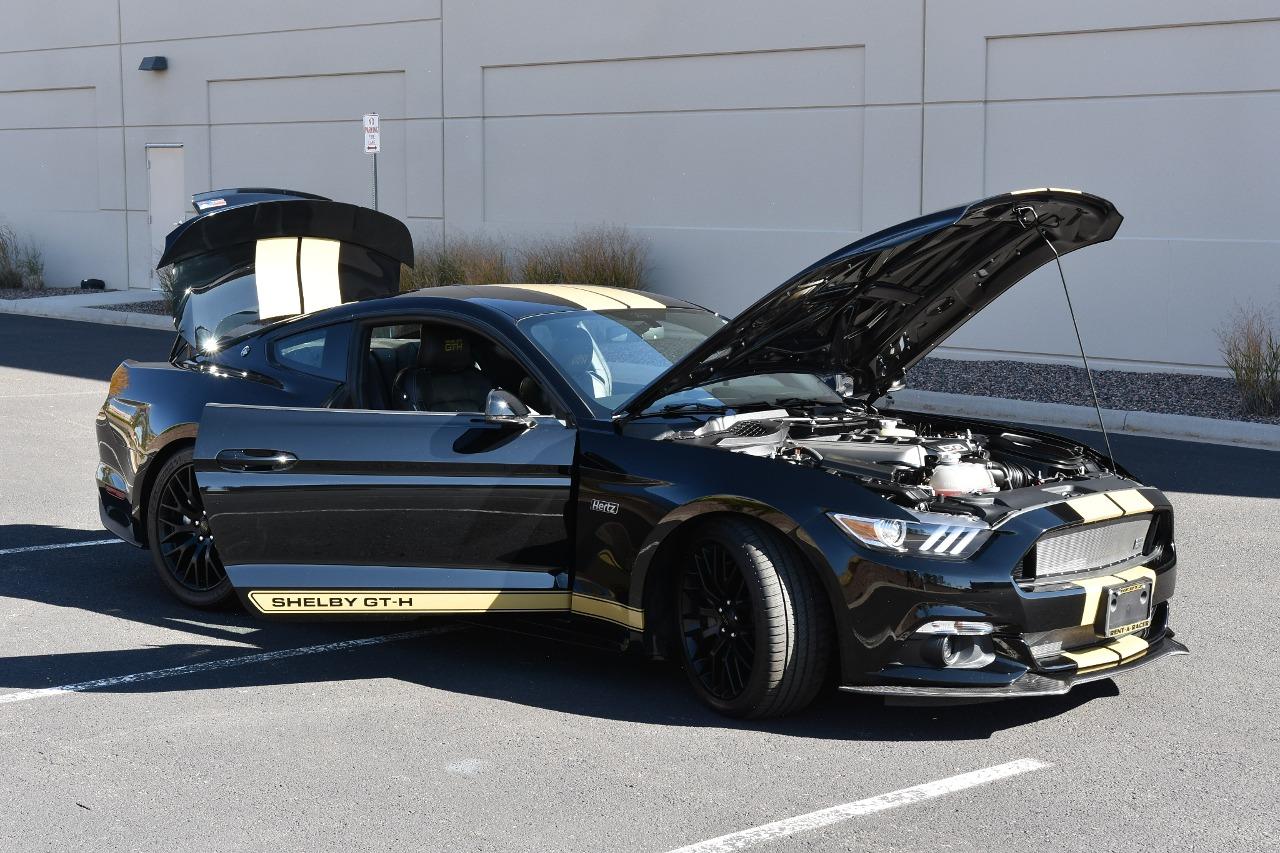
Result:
pixel 1028 217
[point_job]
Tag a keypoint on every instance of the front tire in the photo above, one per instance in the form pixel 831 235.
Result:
pixel 179 537
pixel 752 626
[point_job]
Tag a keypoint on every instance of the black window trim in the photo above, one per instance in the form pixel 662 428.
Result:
pixel 359 344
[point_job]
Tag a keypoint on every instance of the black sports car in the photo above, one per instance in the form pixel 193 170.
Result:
pixel 723 492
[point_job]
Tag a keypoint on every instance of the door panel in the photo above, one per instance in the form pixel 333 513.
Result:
pixel 402 500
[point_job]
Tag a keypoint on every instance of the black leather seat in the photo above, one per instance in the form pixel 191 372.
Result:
pixel 445 378
pixel 382 364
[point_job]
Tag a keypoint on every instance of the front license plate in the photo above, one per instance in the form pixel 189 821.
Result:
pixel 1125 608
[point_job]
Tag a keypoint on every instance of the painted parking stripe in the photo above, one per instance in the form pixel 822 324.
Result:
pixel 225 663
pixel 28 548
pixel 836 814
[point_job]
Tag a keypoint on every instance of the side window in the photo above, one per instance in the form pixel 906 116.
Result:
pixel 318 352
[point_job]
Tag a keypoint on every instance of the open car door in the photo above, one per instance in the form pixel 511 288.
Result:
pixel 336 511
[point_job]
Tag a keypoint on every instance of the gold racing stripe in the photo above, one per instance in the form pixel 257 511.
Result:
pixel 1138 573
pixel 629 298
pixel 1092 594
pixel 573 295
pixel 445 601
pixel 1129 647
pixel 1131 501
pixel 1097 507
pixel 1097 657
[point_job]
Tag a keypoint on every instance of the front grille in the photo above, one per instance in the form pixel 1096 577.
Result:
pixel 1093 546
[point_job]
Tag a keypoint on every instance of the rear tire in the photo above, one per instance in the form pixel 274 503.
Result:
pixel 179 537
pixel 751 623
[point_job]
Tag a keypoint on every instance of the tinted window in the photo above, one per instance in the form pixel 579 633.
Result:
pixel 319 352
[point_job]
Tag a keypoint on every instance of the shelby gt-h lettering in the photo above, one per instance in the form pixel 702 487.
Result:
pixel 321 446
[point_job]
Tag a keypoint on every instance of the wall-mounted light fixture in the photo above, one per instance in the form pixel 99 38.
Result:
pixel 154 63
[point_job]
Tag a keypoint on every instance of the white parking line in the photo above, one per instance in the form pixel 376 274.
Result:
pixel 225 663
pixel 836 814
pixel 25 549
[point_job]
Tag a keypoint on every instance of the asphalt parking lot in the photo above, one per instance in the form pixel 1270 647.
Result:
pixel 199 730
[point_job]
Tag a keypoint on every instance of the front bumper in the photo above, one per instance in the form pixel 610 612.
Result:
pixel 1026 684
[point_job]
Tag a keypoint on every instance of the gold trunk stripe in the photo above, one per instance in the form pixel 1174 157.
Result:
pixel 1131 501
pixel 444 601
pixel 1094 658
pixel 1095 508
pixel 1128 647
pixel 611 611
pixel 573 295
pixel 1092 594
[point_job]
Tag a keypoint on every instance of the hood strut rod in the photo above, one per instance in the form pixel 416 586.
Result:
pixel 1028 217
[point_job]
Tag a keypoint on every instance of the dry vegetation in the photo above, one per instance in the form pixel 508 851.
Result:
pixel 21 264
pixel 607 255
pixel 1251 349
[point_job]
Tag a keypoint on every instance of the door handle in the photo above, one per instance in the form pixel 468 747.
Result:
pixel 255 460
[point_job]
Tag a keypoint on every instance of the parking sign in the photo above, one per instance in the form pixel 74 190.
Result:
pixel 372 135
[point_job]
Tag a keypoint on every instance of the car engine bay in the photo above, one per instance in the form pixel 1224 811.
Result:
pixel 919 463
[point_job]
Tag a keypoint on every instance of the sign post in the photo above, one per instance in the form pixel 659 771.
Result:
pixel 372 145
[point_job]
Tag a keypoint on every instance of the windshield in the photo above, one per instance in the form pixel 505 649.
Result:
pixel 609 356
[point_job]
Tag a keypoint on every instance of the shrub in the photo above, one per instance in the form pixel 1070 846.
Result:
pixel 168 288
pixel 1251 348
pixel 463 259
pixel 607 255
pixel 21 263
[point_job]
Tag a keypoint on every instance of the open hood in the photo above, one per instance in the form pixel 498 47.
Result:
pixel 874 308
pixel 238 267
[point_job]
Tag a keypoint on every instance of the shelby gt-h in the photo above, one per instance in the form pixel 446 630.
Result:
pixel 696 486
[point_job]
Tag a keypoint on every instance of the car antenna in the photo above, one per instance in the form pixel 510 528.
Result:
pixel 1028 217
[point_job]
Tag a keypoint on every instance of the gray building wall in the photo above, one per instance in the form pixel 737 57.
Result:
pixel 742 138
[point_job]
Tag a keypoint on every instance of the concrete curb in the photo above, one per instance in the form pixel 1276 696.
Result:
pixel 48 307
pixel 1151 424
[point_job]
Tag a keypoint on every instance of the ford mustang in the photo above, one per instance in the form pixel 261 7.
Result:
pixel 728 493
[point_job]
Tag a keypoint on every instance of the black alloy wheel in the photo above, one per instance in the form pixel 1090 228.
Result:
pixel 716 621
pixel 181 542
pixel 752 625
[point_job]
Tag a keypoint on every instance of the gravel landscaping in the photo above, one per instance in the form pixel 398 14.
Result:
pixel 1169 393
pixel 25 293
pixel 151 306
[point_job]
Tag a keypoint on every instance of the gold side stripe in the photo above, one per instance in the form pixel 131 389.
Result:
pixel 1097 507
pixel 1131 501
pixel 444 601
pixel 406 601
pixel 611 611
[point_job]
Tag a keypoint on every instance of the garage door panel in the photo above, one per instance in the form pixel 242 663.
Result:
pixel 1230 57
pixel 1177 166
pixel 758 168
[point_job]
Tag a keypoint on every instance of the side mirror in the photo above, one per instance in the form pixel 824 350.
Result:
pixel 503 407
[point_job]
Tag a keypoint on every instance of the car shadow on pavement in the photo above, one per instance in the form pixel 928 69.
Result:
pixel 506 660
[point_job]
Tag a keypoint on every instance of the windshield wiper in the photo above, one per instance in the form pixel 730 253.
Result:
pixel 688 409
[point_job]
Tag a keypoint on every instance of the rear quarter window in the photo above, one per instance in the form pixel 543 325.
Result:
pixel 317 352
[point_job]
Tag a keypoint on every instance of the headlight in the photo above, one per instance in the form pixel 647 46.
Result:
pixel 930 534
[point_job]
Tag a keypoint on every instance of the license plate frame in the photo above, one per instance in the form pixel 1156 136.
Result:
pixel 1125 608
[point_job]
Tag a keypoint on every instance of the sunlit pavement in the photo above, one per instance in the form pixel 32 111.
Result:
pixel 183 729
